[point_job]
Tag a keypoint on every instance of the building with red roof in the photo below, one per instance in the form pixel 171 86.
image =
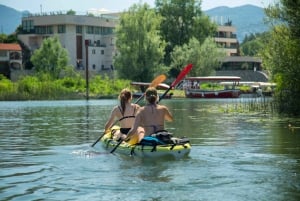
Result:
pixel 10 58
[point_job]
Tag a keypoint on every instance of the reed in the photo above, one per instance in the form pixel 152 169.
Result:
pixel 250 105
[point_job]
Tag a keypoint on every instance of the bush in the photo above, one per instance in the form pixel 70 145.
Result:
pixel 7 88
pixel 43 87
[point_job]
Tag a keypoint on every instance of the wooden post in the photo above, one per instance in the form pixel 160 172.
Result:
pixel 87 68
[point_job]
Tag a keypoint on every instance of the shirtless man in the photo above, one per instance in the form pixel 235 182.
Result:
pixel 151 118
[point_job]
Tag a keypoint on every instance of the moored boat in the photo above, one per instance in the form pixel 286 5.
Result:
pixel 180 147
pixel 211 87
pixel 143 85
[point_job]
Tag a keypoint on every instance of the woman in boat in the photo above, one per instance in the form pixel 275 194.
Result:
pixel 149 119
pixel 124 113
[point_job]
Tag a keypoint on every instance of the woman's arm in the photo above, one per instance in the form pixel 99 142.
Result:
pixel 111 119
pixel 168 115
pixel 135 126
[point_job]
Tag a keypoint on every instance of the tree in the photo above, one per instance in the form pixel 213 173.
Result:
pixel 51 57
pixel 12 38
pixel 140 48
pixel 182 20
pixel 205 58
pixel 281 54
pixel 251 48
pixel 71 12
pixel 253 44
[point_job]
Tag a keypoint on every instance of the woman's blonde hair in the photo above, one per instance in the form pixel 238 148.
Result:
pixel 124 96
pixel 151 95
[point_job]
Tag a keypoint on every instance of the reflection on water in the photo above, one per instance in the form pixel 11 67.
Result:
pixel 45 153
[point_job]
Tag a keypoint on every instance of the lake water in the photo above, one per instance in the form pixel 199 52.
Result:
pixel 45 154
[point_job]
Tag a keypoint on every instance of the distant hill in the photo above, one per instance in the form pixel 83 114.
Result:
pixel 247 19
pixel 10 19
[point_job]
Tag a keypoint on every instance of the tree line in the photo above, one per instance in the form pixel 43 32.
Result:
pixel 165 38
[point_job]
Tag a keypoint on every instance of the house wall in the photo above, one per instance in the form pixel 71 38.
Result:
pixel 93 47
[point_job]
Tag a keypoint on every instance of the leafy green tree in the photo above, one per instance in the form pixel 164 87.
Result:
pixel 281 54
pixel 140 48
pixel 51 57
pixel 205 58
pixel 253 44
pixel 182 20
pixel 251 48
pixel 71 12
pixel 12 38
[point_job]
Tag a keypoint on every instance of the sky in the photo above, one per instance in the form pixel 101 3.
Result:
pixel 36 6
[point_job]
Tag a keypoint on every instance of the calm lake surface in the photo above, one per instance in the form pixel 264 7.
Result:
pixel 45 154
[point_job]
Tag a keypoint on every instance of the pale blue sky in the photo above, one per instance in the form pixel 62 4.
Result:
pixel 35 6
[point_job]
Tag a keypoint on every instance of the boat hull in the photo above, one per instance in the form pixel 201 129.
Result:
pixel 194 93
pixel 145 151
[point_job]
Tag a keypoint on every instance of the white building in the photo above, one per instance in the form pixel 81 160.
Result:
pixel 227 39
pixel 89 40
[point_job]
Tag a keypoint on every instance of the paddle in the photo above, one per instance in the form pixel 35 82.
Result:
pixel 157 80
pixel 181 75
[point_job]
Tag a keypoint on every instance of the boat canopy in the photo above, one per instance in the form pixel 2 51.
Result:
pixel 146 84
pixel 214 78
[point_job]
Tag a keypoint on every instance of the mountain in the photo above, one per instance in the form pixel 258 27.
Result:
pixel 10 19
pixel 247 19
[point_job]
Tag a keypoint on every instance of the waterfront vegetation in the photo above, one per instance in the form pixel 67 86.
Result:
pixel 43 87
pixel 261 105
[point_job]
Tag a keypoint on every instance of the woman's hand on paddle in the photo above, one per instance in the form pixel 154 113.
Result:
pixel 125 138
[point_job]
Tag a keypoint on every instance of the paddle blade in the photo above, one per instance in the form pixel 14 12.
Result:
pixel 182 74
pixel 159 79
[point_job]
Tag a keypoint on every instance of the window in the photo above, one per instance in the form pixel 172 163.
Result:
pixel 27 25
pixel 49 29
pixel 61 29
pixel 102 51
pixel 97 30
pixel 3 53
pixel 40 30
pixel 79 29
pixel 93 51
pixel 90 30
pixel 106 30
pixel 14 56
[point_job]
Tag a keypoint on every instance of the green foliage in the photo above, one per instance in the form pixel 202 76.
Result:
pixel 51 57
pixel 251 48
pixel 139 44
pixel 253 44
pixel 7 88
pixel 182 20
pixel 12 38
pixel 281 54
pixel 245 89
pixel 204 57
pixel 71 12
pixel 211 86
pixel 104 86
pixel 43 87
